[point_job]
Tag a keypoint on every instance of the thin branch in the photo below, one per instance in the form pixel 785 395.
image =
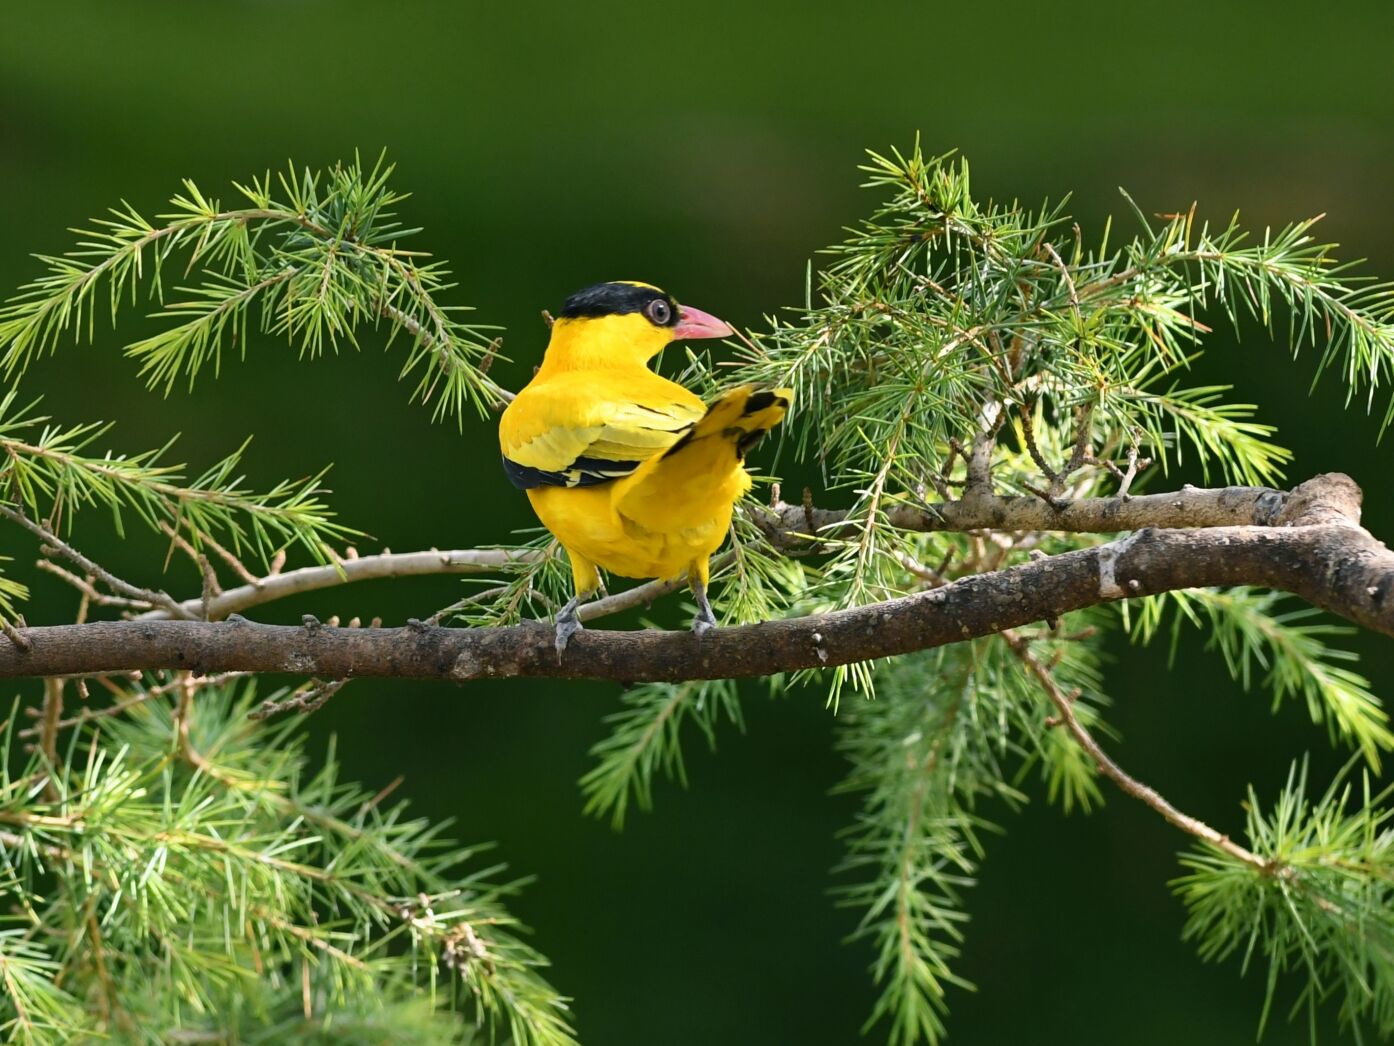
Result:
pixel 205 568
pixel 786 525
pixel 1028 433
pixel 643 595
pixel 14 635
pixel 1069 282
pixel 502 396
pixel 1134 463
pixel 1064 704
pixel 116 584
pixel 460 604
pixel 87 590
pixel 183 716
pixel 311 579
pixel 238 567
pixel 304 700
pixel 1084 418
pixel 128 702
pixel 48 734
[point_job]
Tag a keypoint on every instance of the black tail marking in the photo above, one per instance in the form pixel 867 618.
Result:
pixel 758 401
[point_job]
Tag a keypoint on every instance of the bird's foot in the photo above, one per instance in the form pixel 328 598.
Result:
pixel 704 622
pixel 568 624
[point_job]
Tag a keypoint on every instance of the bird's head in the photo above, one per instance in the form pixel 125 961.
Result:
pixel 625 322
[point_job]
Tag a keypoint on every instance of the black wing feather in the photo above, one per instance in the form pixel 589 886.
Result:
pixel 582 472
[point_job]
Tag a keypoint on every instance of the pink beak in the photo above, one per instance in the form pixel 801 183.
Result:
pixel 694 323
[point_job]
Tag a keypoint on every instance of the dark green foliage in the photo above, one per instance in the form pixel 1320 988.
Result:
pixel 1323 911
pixel 185 870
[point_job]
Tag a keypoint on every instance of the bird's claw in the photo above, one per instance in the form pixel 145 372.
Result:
pixel 704 622
pixel 565 630
pixel 568 624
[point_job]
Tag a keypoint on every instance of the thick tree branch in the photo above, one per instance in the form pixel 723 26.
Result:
pixel 1311 546
pixel 786 527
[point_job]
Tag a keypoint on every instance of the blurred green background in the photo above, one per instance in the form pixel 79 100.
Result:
pixel 711 148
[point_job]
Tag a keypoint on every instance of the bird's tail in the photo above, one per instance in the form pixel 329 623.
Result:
pixel 695 482
pixel 741 417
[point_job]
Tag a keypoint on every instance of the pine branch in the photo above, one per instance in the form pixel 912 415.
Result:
pixel 234 875
pixel 319 260
pixel 1314 549
pixel 646 740
pixel 50 475
pixel 1322 908
pixel 914 848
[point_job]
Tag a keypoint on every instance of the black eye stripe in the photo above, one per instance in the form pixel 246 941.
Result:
pixel 617 299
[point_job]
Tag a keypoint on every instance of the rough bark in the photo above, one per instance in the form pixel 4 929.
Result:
pixel 1307 542
pixel 978 510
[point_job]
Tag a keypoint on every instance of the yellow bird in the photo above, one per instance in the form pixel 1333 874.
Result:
pixel 631 472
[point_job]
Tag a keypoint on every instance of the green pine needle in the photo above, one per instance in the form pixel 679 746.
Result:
pixel 310 258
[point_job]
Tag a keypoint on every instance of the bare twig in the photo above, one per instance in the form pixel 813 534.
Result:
pixel 1134 463
pixel 979 456
pixel 180 542
pixel 238 567
pixel 48 734
pixel 921 570
pixel 643 595
pixel 1084 417
pixel 1028 433
pixel 128 700
pixel 1069 282
pixel 116 584
pixel 469 601
pixel 1064 704
pixel 14 635
pixel 183 714
pixel 784 525
pixel 88 590
pixel 305 699
pixel 360 568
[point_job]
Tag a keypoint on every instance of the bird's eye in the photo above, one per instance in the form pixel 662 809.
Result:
pixel 659 311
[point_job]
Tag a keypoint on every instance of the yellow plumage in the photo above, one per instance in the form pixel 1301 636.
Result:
pixel 631 472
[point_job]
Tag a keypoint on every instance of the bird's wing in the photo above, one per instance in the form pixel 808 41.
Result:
pixel 584 431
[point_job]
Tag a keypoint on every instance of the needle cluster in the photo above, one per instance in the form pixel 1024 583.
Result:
pixel 179 869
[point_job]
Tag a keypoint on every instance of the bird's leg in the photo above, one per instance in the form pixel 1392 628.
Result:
pixel 568 623
pixel 705 620
pixel 587 581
